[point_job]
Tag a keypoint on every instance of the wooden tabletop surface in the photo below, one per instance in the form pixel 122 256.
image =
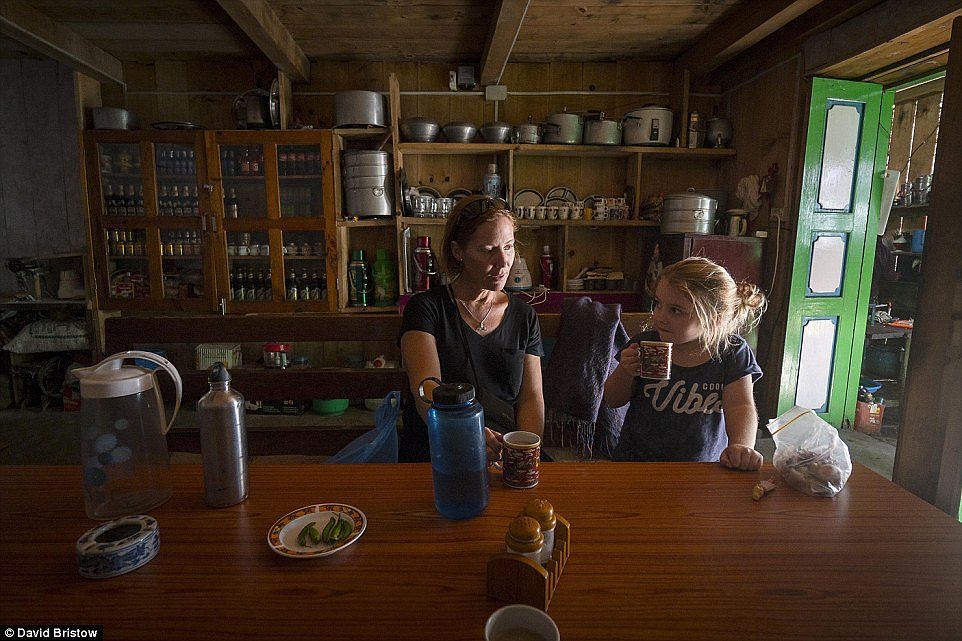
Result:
pixel 659 551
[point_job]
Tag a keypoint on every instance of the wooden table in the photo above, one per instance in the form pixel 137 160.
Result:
pixel 659 551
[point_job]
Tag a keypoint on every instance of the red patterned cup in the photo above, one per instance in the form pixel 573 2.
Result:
pixel 655 359
pixel 520 458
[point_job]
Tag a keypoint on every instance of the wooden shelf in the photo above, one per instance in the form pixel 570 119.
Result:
pixel 386 221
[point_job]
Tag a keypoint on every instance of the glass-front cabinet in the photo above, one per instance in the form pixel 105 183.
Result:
pixel 150 220
pixel 206 221
pixel 275 190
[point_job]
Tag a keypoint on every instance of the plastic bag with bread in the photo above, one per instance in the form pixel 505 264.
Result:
pixel 809 455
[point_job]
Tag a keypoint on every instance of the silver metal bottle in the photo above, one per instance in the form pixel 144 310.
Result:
pixel 223 441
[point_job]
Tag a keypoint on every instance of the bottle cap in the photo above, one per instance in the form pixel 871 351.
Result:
pixel 546 250
pixel 492 168
pixel 453 393
pixel 424 241
pixel 382 254
pixel 218 373
pixel 357 254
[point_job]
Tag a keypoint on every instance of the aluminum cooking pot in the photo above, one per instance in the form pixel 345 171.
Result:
pixel 563 129
pixel 526 134
pixel 648 126
pixel 688 212
pixel 602 132
pixel 359 109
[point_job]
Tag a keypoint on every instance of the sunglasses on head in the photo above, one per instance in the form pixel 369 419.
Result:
pixel 482 206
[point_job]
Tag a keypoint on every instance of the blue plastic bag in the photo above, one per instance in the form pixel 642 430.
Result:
pixel 380 444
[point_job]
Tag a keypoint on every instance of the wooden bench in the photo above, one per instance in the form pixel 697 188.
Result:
pixel 281 434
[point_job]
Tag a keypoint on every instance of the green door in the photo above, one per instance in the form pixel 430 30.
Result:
pixel 845 155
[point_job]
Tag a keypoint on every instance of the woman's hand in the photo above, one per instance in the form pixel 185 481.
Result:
pixel 630 360
pixel 741 457
pixel 494 443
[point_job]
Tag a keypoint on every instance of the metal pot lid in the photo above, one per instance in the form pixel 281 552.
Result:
pixel 563 117
pixel 274 103
pixel 690 200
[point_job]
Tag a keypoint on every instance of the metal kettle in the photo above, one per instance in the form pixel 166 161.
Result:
pixel 126 466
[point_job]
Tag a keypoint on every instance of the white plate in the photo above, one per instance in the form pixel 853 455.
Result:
pixel 429 191
pixel 282 537
pixel 560 195
pixel 527 198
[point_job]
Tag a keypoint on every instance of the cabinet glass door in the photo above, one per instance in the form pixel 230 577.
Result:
pixel 275 187
pixel 148 208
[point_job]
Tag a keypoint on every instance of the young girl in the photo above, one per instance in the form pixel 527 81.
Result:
pixel 705 411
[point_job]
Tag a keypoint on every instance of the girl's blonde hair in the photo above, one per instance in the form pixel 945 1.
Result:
pixel 722 306
pixel 463 221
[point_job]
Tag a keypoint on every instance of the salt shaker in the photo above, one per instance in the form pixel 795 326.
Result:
pixel 524 537
pixel 543 512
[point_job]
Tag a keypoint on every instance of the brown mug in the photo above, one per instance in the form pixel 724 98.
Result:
pixel 520 457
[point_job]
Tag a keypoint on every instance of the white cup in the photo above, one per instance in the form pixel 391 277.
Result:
pixel 553 212
pixel 520 622
pixel 563 212
pixel 540 212
pixel 243 250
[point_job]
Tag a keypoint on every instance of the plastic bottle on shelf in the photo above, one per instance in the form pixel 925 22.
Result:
pixel 547 268
pixel 385 280
pixel 491 182
pixel 358 279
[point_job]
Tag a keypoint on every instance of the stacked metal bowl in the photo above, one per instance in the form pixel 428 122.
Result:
pixel 419 129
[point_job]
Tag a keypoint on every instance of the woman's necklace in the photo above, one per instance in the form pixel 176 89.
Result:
pixel 479 321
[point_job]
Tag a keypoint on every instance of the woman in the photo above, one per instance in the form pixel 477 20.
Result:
pixel 705 410
pixel 472 319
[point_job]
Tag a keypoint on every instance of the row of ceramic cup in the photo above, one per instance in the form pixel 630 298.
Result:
pixel 551 212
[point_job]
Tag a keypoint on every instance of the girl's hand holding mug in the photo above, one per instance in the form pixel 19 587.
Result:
pixel 494 443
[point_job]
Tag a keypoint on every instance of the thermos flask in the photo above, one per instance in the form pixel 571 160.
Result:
pixel 223 441
pixel 459 463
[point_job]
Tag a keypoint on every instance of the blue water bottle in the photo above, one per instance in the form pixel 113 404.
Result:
pixel 458 459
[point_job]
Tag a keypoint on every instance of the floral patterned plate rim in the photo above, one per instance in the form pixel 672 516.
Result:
pixel 282 536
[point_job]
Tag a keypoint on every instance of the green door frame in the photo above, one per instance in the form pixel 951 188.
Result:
pixel 824 334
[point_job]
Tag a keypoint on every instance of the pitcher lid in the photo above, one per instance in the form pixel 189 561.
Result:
pixel 108 379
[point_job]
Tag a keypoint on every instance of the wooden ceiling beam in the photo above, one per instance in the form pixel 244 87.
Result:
pixel 261 24
pixel 33 29
pixel 504 31
pixel 747 24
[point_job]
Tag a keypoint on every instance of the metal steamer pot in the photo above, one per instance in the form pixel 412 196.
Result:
pixel 368 178
pixel 599 131
pixel 563 129
pixel 526 134
pixel 688 212
pixel 648 126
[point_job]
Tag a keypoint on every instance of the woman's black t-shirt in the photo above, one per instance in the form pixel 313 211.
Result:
pixel 498 356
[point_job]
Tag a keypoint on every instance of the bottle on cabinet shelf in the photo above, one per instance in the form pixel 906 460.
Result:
pixel 359 280
pixel 547 268
pixel 491 183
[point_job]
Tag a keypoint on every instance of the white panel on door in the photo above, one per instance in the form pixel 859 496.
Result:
pixel 815 363
pixel 842 133
pixel 827 265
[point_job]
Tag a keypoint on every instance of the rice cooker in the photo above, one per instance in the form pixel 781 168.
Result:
pixel 688 212
pixel 648 126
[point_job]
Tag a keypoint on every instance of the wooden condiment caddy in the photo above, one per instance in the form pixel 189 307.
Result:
pixel 518 579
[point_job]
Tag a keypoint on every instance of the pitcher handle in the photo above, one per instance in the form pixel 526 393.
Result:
pixel 171 370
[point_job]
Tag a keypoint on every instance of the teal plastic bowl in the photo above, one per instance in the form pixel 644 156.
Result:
pixel 330 406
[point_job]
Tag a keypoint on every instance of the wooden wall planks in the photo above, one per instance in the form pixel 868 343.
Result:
pixel 40 200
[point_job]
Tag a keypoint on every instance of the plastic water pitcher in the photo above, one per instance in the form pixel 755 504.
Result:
pixel 123 449
pixel 459 463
